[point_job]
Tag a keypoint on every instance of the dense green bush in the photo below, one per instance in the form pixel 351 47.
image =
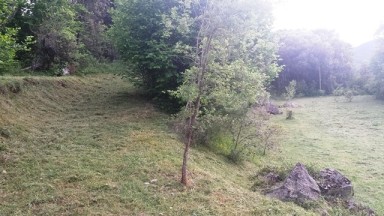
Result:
pixel 9 43
pixel 153 38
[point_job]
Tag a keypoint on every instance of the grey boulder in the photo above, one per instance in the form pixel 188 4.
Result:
pixel 333 184
pixel 298 187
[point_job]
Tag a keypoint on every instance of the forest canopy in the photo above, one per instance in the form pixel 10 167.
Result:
pixel 317 60
pixel 156 41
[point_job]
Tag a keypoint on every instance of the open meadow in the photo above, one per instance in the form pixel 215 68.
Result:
pixel 347 136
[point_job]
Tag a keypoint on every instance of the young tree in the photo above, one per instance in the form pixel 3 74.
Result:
pixel 233 60
pixel 290 90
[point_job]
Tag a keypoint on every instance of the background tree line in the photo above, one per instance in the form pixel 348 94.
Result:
pixel 317 60
pixel 372 75
pixel 45 34
pixel 321 64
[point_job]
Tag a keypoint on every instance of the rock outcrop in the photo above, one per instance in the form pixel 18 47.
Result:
pixel 298 187
pixel 333 184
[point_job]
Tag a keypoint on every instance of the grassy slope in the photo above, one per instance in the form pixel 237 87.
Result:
pixel 346 136
pixel 91 146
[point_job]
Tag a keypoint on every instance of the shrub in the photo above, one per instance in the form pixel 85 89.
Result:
pixel 244 137
pixel 290 90
pixel 346 93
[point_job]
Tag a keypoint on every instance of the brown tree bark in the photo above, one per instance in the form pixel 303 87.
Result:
pixel 202 54
pixel 192 121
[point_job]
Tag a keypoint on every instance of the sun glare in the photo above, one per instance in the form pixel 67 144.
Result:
pixel 356 21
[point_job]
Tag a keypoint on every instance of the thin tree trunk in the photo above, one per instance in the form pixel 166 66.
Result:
pixel 192 121
pixel 238 135
pixel 319 70
pixel 195 105
pixel 184 178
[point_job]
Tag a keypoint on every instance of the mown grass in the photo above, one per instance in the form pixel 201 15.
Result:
pixel 345 136
pixel 93 146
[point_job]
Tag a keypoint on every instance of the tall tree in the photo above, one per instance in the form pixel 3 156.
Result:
pixel 234 57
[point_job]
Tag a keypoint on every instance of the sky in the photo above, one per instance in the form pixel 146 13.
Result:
pixel 355 21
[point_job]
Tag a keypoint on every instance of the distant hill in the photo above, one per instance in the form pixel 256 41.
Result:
pixel 363 53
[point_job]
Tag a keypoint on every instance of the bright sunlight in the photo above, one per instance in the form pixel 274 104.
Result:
pixel 355 21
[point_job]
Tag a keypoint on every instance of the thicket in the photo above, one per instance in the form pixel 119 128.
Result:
pixel 9 45
pixel 45 35
pixel 155 38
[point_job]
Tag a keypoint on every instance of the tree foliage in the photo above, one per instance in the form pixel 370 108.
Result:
pixel 8 42
pixel 56 28
pixel 95 20
pixel 376 67
pixel 154 37
pixel 233 60
pixel 66 32
pixel 317 60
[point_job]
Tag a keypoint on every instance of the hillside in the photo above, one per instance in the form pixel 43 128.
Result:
pixel 93 146
pixel 363 53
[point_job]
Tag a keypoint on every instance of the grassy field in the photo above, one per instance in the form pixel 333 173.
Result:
pixel 94 146
pixel 345 136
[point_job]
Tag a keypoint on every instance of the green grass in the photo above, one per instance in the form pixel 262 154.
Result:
pixel 345 136
pixel 93 146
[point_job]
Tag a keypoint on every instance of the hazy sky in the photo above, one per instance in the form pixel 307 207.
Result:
pixel 356 21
